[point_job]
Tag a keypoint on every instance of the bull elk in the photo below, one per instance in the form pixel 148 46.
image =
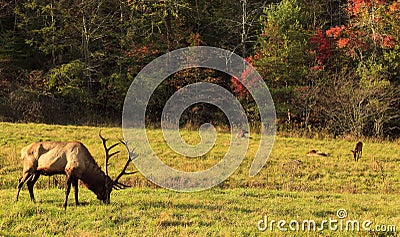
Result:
pixel 75 161
pixel 357 151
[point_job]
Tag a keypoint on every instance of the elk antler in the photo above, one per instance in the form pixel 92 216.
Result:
pixel 107 149
pixel 131 156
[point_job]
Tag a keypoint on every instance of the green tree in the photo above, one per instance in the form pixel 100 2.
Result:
pixel 281 53
pixel 282 45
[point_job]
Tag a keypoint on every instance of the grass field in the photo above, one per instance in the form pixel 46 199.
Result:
pixel 292 186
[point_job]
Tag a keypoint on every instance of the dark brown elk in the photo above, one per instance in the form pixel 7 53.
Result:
pixel 75 161
pixel 357 151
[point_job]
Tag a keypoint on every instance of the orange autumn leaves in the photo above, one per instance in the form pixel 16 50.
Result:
pixel 371 24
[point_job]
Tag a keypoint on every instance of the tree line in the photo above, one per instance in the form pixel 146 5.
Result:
pixel 331 65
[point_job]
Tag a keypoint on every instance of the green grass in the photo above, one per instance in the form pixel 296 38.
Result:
pixel 216 212
pixel 292 186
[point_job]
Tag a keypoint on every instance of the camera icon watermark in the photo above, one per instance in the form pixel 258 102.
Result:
pixel 153 74
pixel 338 223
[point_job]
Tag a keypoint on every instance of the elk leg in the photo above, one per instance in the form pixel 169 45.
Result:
pixel 75 184
pixel 21 182
pixel 30 184
pixel 67 189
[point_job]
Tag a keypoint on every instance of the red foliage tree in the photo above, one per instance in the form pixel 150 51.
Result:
pixel 247 80
pixel 368 28
pixel 322 47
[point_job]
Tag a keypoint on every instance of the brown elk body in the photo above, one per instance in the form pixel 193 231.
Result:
pixel 72 159
pixel 357 151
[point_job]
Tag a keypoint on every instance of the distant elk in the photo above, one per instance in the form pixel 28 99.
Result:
pixel 75 161
pixel 242 133
pixel 316 153
pixel 357 151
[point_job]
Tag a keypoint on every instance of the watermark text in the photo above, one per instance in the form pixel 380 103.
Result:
pixel 339 223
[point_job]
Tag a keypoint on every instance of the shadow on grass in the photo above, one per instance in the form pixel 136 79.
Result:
pixel 60 203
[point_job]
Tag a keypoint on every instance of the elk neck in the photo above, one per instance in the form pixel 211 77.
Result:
pixel 95 179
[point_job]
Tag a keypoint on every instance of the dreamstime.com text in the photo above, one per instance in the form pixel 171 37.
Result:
pixel 341 223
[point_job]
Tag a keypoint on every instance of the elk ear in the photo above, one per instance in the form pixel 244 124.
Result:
pixel 39 150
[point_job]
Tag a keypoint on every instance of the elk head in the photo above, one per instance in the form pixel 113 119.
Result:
pixel 110 184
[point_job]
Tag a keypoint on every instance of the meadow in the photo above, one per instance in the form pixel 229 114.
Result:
pixel 291 186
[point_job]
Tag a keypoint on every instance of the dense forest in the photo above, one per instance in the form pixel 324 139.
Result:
pixel 331 65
